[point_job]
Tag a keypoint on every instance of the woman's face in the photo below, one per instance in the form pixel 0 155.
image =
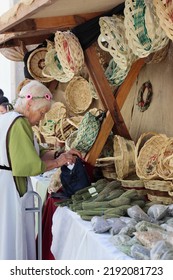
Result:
pixel 3 110
pixel 34 117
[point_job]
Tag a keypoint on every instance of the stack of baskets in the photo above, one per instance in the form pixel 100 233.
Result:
pixel 159 191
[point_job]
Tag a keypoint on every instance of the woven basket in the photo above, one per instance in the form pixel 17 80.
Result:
pixel 113 33
pixel 69 141
pixel 57 111
pixel 22 84
pixel 159 185
pixel 165 161
pixel 75 121
pixel 158 56
pixel 160 199
pixel 78 95
pixel 36 64
pixel 107 167
pixel 164 13
pixel 143 29
pixel 69 52
pixel 124 157
pixel 146 161
pixel 63 130
pixel 53 67
pixel 114 74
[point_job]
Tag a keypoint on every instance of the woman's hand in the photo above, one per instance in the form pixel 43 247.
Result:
pixel 68 157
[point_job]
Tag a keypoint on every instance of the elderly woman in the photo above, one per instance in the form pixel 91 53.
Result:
pixel 20 158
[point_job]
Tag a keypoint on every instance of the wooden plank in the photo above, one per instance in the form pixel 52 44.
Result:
pixel 104 91
pixel 104 132
pixel 20 12
pixel 108 123
pixel 124 89
pixel 52 23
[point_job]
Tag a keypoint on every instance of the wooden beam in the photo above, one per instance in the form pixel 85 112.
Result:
pixel 51 23
pixel 104 91
pixel 21 11
pixel 124 89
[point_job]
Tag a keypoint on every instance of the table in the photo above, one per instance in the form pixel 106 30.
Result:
pixel 74 239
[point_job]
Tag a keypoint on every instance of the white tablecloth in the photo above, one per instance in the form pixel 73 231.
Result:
pixel 74 239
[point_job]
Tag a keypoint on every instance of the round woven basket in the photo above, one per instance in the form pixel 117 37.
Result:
pixel 36 64
pixel 143 29
pixel 124 157
pixel 69 52
pixel 146 161
pixel 54 68
pixel 113 32
pixel 165 161
pixel 57 111
pixel 107 167
pixel 164 13
pixel 78 95
pixel 22 84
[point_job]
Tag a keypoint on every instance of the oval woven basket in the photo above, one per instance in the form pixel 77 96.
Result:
pixel 69 52
pixel 36 64
pixel 113 32
pixel 164 12
pixel 143 30
pixel 165 161
pixel 124 157
pixel 146 161
pixel 78 95
pixel 54 68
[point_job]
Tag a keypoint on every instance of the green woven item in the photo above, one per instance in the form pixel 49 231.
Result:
pixel 87 132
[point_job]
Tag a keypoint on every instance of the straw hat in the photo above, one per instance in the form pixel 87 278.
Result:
pixel 36 64
pixel 78 95
pixel 69 52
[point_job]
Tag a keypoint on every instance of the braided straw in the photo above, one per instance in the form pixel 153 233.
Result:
pixel 78 95
pixel 124 156
pixel 160 199
pixel 165 161
pixel 113 33
pixel 36 64
pixel 147 158
pixel 69 52
pixel 158 56
pixel 165 15
pixel 142 28
pixel 53 67
pixel 114 74
pixel 64 130
pixel 159 185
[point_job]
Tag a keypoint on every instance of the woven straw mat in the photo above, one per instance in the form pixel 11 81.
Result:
pixel 78 95
pixel 36 63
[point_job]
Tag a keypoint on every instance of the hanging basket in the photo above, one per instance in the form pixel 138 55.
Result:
pixel 114 74
pixel 36 64
pixel 53 66
pixel 165 14
pixel 124 157
pixel 69 52
pixel 147 158
pixel 78 95
pixel 113 40
pixel 143 30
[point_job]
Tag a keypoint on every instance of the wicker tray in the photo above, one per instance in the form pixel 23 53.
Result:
pixel 36 64
pixel 78 95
